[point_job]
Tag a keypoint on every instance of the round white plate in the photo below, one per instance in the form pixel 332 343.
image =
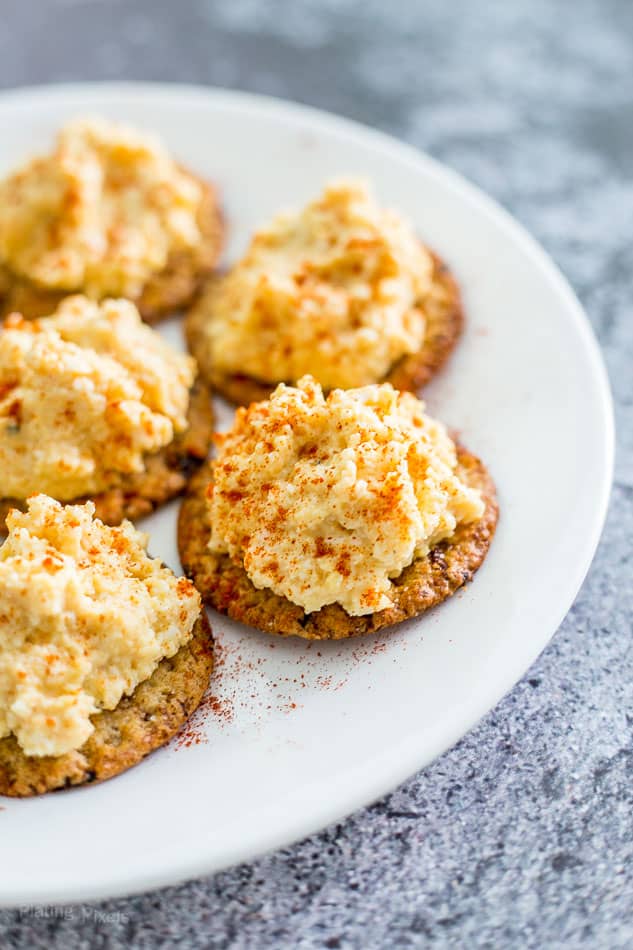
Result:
pixel 299 735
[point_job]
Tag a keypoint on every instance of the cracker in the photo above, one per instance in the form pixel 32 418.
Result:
pixel 123 736
pixel 445 319
pixel 170 290
pixel 444 325
pixel 424 584
pixel 166 472
pixel 175 287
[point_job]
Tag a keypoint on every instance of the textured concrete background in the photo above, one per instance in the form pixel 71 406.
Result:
pixel 521 836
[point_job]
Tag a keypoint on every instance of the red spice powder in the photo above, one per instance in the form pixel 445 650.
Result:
pixel 194 730
pixel 237 668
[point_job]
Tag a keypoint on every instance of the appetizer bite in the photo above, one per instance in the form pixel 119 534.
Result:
pixel 107 213
pixel 104 653
pixel 343 290
pixel 330 517
pixel 94 404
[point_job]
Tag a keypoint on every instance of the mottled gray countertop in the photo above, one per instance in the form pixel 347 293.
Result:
pixel 522 835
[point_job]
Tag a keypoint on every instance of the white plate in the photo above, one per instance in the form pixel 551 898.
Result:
pixel 303 734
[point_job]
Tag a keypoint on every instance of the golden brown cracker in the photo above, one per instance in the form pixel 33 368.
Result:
pixel 445 319
pixel 123 736
pixel 170 290
pixel 165 474
pixel 424 584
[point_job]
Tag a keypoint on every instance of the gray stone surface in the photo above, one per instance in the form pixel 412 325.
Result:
pixel 522 835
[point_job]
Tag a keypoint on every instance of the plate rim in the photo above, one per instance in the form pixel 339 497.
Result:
pixel 405 763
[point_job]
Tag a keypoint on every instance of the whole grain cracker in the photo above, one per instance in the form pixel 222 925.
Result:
pixel 445 319
pixel 424 584
pixel 123 736
pixel 165 475
pixel 170 290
